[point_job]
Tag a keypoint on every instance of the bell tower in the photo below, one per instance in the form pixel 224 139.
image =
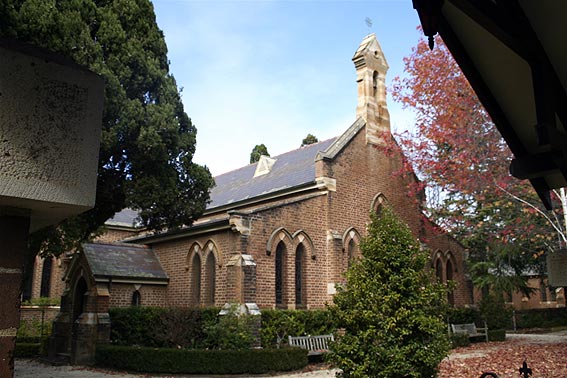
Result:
pixel 371 68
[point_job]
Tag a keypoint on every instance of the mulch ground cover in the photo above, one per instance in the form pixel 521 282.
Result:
pixel 547 360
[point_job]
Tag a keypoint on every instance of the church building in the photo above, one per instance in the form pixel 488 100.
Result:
pixel 279 233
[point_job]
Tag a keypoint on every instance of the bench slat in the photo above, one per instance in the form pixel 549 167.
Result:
pixel 470 329
pixel 314 344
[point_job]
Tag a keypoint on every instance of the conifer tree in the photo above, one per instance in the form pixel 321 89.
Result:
pixel 391 308
pixel 257 151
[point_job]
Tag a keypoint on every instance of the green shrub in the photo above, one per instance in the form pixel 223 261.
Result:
pixel 27 349
pixel 194 361
pixel 460 340
pixel 229 332
pixel 496 334
pixel 42 301
pixel 541 318
pixel 277 325
pixel 34 328
pixel 462 315
pixel 498 315
pixel 134 325
pixel 390 308
pixel 161 327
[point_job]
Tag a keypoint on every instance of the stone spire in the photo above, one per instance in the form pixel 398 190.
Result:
pixel 371 68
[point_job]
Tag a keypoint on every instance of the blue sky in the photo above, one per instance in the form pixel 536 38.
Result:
pixel 273 71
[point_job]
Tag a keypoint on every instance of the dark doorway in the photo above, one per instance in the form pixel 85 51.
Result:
pixel 79 298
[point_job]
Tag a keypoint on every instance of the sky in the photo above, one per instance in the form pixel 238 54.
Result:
pixel 270 72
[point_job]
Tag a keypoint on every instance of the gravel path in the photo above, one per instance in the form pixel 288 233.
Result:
pixel 28 368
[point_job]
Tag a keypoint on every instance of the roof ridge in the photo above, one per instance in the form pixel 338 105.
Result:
pixel 282 154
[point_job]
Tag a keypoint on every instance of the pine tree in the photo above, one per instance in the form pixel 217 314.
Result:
pixel 257 151
pixel 391 309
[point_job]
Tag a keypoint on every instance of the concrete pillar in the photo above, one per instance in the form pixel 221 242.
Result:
pixel 13 254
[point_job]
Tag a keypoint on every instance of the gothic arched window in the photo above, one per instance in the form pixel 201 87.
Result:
pixel 449 276
pixel 46 277
pixel 136 298
pixel 280 272
pixel 210 279
pixel 300 268
pixel 195 280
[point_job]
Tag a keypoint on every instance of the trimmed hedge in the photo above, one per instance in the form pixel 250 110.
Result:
pixel 195 361
pixel 31 346
pixel 541 318
pixel 161 327
pixel 27 350
pixel 496 335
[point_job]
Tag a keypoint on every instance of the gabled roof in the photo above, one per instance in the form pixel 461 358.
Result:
pixel 290 169
pixel 124 263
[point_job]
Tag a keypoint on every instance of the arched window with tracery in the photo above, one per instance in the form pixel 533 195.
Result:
pixel 449 276
pixel 300 275
pixel 378 203
pixel 281 253
pixel 210 279
pixel 352 250
pixel 195 280
pixel 136 298
pixel 46 277
pixel 439 270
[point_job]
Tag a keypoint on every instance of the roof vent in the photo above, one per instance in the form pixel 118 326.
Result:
pixel 264 166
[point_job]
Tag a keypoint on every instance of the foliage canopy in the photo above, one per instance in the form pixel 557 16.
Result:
pixel 391 309
pixel 309 139
pixel 148 141
pixel 257 151
pixel 458 151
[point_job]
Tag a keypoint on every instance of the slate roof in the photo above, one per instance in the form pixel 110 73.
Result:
pixel 291 169
pixel 125 262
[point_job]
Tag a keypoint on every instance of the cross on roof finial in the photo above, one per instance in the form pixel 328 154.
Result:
pixel 368 22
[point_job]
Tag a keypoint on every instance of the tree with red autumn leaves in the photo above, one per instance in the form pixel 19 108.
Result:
pixel 463 161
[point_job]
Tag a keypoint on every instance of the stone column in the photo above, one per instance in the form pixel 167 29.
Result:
pixel 13 253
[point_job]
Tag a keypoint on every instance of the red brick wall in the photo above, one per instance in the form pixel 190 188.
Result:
pixel 151 295
pixel 176 259
pixel 322 219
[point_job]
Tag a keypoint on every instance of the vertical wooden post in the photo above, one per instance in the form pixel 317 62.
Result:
pixel 13 253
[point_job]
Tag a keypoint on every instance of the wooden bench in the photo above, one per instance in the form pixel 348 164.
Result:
pixel 315 345
pixel 470 329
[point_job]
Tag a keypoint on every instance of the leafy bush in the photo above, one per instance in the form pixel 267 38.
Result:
pixel 177 327
pixel 135 325
pixel 42 301
pixel 277 325
pixel 496 334
pixel 391 309
pixel 230 332
pixel 245 361
pixel 541 318
pixel 34 328
pixel 460 340
pixel 160 327
pixel 462 315
pixel 498 315
pixel 31 346
pixel 27 349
